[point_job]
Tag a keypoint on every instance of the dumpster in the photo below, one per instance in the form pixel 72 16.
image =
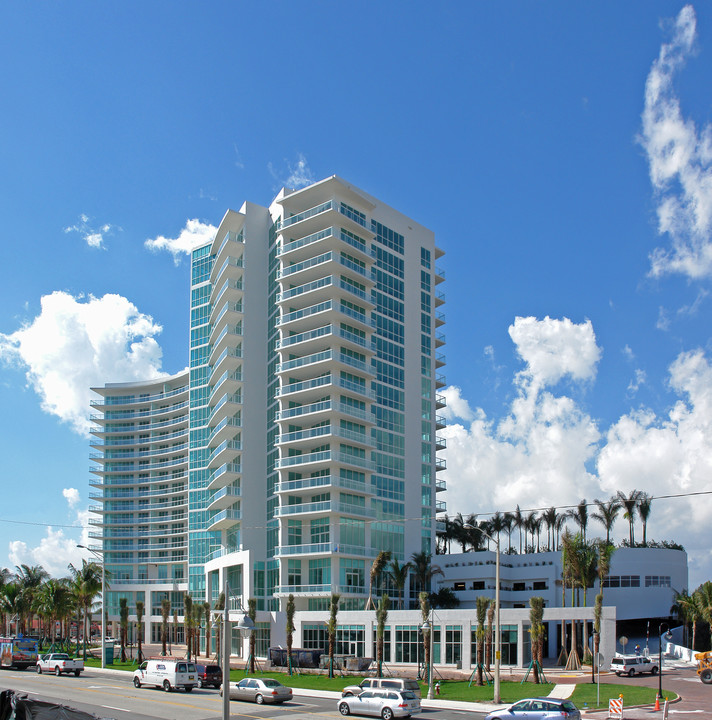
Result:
pixel 109 654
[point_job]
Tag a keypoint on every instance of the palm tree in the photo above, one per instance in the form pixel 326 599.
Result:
pixel 497 524
pixel 11 603
pixel 53 600
pixel 188 622
pixel 331 629
pixel 536 630
pixel 86 585
pixel 571 558
pixel 425 618
pixel 630 503
pixel 381 618
pixel 580 516
pixel 704 601
pixel 124 624
pixel 588 568
pixel 377 567
pixel 607 514
pixel 197 623
pixel 208 627
pixel 30 580
pixel 688 606
pixel 549 517
pixel 518 522
pixel 509 526
pixel 644 505
pixel 488 638
pixel 252 614
pixel 481 605
pixel 398 575
pixel 165 613
pixel 424 570
pixel 558 527
pixel 290 630
pixel 139 629
pixel 605 552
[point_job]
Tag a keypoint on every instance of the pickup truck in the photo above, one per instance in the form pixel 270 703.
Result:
pixel 59 663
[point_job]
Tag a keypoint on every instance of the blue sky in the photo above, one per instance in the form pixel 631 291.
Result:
pixel 561 152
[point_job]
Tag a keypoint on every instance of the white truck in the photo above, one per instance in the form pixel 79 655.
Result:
pixel 59 664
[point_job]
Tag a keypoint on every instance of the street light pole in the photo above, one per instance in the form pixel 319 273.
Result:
pixel 246 626
pixel 660 656
pixel 497 650
pixel 103 603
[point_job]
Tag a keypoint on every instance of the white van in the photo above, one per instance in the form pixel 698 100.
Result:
pixel 167 673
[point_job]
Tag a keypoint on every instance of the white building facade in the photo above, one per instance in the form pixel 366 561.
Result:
pixel 310 412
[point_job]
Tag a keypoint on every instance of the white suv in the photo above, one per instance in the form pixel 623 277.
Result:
pixel 633 664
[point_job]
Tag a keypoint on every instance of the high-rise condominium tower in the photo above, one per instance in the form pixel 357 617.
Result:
pixel 302 440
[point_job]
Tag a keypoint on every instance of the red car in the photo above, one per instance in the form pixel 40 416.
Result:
pixel 209 676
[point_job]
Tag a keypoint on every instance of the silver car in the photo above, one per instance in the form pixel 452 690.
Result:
pixel 538 709
pixel 386 704
pixel 259 690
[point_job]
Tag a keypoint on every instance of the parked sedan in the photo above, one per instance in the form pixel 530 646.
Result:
pixel 538 709
pixel 259 690
pixel 386 704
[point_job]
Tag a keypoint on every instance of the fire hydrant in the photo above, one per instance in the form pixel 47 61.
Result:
pixel 437 688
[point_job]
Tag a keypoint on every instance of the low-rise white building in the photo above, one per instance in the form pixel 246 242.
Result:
pixel 641 584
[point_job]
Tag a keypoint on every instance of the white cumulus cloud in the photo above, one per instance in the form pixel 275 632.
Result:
pixel 680 162
pixel 547 450
pixel 537 454
pixel 193 235
pixel 92 236
pixel 297 175
pixel 76 343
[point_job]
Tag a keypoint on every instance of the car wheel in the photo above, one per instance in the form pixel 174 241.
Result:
pixel 57 671
pixel 259 699
pixel 166 686
pixel 654 671
pixel 387 713
pixel 39 670
pixel 188 688
pixel 706 676
pixel 137 683
pixel 200 684
pixel 348 694
pixel 76 673
pixel 631 672
pixel 344 708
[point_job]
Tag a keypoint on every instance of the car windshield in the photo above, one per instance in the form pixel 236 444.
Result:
pixel 272 683
pixel 408 695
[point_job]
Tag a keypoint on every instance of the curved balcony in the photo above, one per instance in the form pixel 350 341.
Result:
pixel 229 360
pixel 224 520
pixel 229 337
pixel 231 245
pixel 325 288
pixel 224 498
pixel 224 453
pixel 228 405
pixel 226 429
pixel 329 311
pixel 224 475
pixel 302 590
pixel 230 290
pixel 228 382
pixel 229 314
pixel 231 269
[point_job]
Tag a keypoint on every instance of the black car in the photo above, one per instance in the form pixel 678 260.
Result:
pixel 209 676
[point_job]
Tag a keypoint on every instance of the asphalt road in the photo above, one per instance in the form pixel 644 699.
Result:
pixel 114 696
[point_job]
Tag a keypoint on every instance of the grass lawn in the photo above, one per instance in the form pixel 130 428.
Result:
pixel 585 694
